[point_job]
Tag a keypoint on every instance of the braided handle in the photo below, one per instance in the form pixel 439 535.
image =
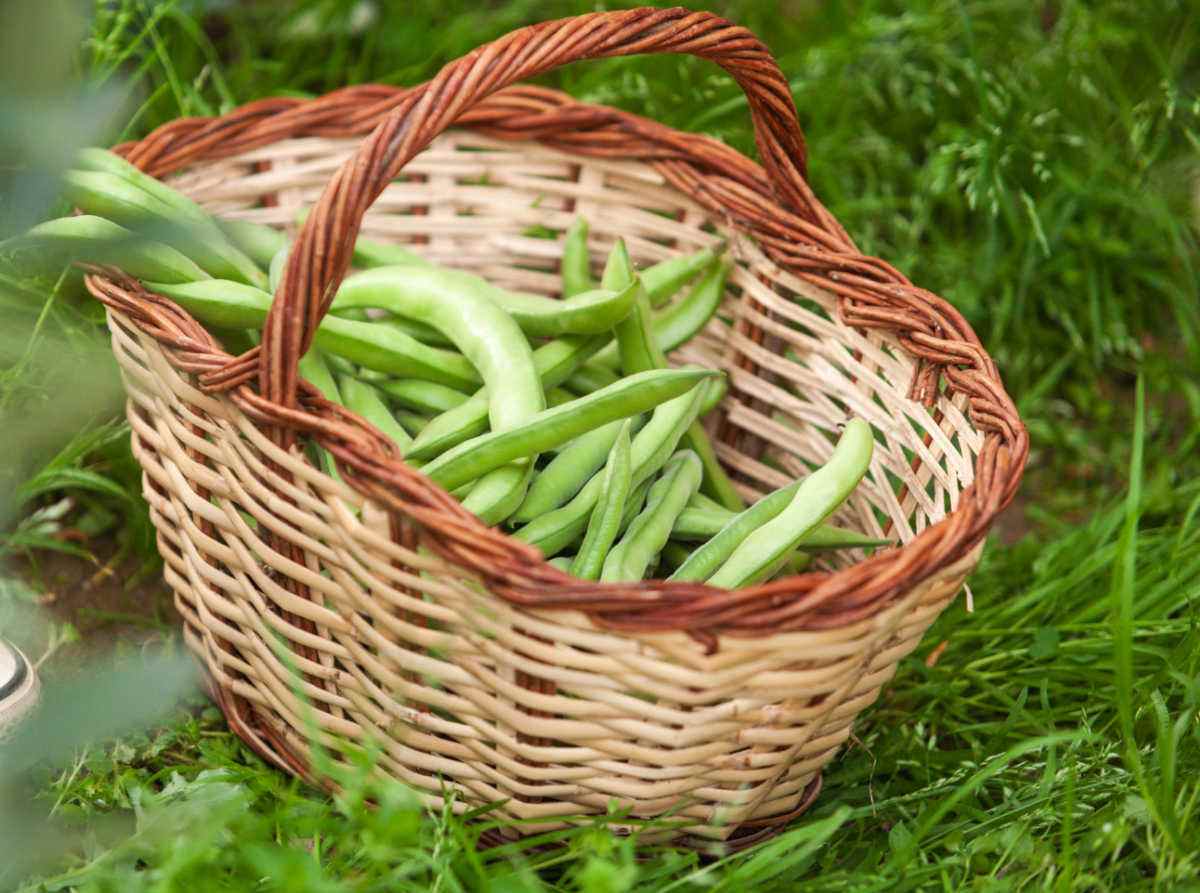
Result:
pixel 321 255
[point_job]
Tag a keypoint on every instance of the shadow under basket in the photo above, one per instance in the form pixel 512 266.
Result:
pixel 374 610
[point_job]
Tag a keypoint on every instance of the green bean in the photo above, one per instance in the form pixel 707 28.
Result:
pixel 461 307
pixel 716 393
pixel 634 504
pixel 682 320
pixel 315 370
pixel 589 377
pixel 674 554
pixel 362 398
pixel 700 501
pixel 413 422
pixel 421 332
pixel 576 262
pixel 650 530
pixel 258 242
pixel 566 474
pixel 639 351
pixel 629 396
pixel 665 278
pixel 233 305
pixel 105 162
pixel 696 523
pixel 716 482
pixel 760 554
pixel 651 448
pixel 589 313
pixel 558 396
pixel 498 493
pixel 276 267
pixel 368 253
pixel 89 238
pixel 563 563
pixel 423 396
pixel 554 361
pixel 116 199
pixel 731 531
pixel 605 518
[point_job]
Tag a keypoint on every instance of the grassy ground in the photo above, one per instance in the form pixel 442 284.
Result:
pixel 1037 166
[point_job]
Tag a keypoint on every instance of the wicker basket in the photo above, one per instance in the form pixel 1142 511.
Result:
pixel 484 673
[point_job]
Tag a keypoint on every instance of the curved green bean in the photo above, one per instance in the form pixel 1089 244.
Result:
pixel 651 529
pixel 628 397
pixel 589 313
pixel 605 519
pixel 666 277
pixel 554 361
pixel 233 305
pixel 819 494
pixel 576 262
pixel 89 238
pixel 363 399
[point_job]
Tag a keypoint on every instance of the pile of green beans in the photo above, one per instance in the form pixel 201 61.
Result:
pixel 560 420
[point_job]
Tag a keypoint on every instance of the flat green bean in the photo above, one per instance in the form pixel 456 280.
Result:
pixel 651 529
pixel 589 377
pixel 639 351
pixel 697 524
pixel 605 519
pixel 423 396
pixel 551 427
pixel 497 494
pixel 682 320
pixel 665 278
pixel 116 199
pixel 86 237
pixel 566 474
pixel 576 262
pixel 258 242
pixel 651 448
pixel 362 398
pixel 236 306
pixel 819 494
pixel 554 361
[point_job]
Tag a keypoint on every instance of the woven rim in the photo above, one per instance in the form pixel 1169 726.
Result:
pixel 772 205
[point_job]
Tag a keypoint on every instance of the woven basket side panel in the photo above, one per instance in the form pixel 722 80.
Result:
pixel 465 692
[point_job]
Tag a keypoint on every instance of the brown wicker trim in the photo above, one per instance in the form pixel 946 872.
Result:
pixel 774 206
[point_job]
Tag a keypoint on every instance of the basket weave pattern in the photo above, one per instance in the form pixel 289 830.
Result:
pixel 485 673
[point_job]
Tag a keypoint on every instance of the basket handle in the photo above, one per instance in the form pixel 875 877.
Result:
pixel 321 255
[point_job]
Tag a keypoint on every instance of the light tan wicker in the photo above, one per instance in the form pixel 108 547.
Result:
pixel 486 674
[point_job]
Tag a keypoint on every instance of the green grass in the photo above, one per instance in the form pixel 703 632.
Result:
pixel 1037 166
